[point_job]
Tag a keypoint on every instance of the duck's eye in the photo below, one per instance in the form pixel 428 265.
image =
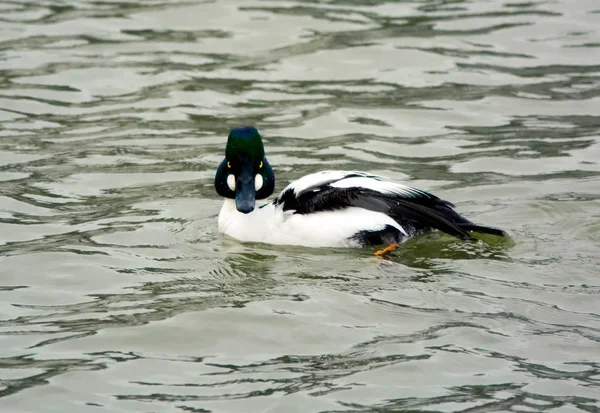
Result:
pixel 260 166
pixel 228 165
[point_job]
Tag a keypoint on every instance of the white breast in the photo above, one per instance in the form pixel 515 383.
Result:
pixel 271 225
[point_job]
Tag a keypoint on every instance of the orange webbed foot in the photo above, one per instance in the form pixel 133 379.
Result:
pixel 387 250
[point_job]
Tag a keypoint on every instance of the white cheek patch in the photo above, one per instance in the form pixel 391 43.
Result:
pixel 258 182
pixel 231 182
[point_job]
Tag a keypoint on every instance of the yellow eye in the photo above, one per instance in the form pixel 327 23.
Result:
pixel 260 166
pixel 228 165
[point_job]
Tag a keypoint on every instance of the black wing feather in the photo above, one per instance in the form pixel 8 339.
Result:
pixel 418 214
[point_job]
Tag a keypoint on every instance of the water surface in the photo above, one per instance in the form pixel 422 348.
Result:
pixel 118 294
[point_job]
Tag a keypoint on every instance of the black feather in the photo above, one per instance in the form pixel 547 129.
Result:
pixel 387 235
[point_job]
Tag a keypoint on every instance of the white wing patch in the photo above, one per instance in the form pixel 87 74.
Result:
pixel 311 181
pixel 384 187
pixel 349 179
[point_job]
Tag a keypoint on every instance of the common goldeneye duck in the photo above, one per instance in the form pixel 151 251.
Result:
pixel 325 209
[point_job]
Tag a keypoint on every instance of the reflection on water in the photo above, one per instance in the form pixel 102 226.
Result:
pixel 118 293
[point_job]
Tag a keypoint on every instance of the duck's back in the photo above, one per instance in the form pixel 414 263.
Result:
pixel 382 211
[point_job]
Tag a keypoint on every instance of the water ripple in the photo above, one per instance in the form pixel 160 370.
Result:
pixel 119 293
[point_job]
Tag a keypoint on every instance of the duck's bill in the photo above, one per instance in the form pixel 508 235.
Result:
pixel 245 193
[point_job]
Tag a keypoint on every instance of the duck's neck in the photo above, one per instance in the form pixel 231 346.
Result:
pixel 245 227
pixel 228 215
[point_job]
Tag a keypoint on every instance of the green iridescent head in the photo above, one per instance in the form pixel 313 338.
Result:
pixel 244 142
pixel 244 175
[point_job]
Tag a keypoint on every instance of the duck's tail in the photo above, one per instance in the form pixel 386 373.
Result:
pixel 469 226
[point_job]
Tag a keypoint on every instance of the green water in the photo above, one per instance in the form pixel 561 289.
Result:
pixel 117 293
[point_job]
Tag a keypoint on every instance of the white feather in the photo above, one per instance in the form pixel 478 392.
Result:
pixel 271 225
pixel 385 187
pixel 348 179
pixel 321 178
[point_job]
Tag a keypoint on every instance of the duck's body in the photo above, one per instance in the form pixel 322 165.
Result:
pixel 315 211
pixel 271 225
pixel 325 209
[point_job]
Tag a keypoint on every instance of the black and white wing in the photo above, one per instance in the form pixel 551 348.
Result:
pixel 412 208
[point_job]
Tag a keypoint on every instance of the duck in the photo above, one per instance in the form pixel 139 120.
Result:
pixel 330 208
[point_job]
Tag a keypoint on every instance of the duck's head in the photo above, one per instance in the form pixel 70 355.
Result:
pixel 244 175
